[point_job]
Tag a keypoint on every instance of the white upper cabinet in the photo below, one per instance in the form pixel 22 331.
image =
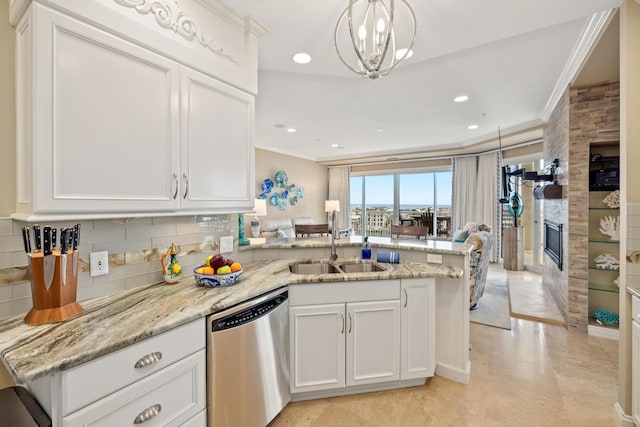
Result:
pixel 114 120
pixel 217 143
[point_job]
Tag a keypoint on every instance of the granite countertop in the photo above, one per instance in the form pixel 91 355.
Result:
pixel 431 246
pixel 123 318
pixel 634 290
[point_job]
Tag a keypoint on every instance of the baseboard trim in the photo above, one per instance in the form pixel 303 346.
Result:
pixel 454 374
pixel 604 332
pixel 622 419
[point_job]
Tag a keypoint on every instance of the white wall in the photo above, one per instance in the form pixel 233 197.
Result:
pixel 7 113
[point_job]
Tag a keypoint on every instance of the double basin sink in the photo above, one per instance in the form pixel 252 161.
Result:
pixel 336 267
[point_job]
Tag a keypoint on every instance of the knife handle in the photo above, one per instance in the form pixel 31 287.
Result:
pixel 76 236
pixel 46 232
pixel 38 237
pixel 64 240
pixel 54 237
pixel 26 239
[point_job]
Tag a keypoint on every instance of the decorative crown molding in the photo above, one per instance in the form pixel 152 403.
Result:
pixel 170 16
pixel 581 50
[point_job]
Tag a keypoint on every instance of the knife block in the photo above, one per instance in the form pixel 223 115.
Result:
pixel 56 302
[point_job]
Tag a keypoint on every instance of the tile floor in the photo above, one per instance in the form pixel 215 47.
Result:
pixel 533 375
pixel 530 300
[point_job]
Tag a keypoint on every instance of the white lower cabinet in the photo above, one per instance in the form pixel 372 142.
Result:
pixel 167 398
pixel 635 360
pixel 418 328
pixel 379 334
pixel 160 381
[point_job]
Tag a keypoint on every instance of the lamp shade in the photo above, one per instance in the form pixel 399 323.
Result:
pixel 260 207
pixel 332 205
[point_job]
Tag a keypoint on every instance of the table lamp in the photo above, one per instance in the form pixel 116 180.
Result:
pixel 259 209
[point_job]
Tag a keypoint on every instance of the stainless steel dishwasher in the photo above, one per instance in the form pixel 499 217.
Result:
pixel 248 362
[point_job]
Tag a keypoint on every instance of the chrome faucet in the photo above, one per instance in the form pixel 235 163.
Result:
pixel 334 255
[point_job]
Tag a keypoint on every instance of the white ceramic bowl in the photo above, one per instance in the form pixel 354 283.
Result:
pixel 215 280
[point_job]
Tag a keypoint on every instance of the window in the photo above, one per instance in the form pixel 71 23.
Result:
pixel 423 198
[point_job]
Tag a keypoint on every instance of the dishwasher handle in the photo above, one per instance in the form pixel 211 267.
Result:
pixel 248 311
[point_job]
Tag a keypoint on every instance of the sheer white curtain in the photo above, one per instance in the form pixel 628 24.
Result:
pixel 464 190
pixel 339 190
pixel 487 195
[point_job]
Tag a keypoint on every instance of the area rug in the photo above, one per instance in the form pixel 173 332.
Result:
pixel 493 306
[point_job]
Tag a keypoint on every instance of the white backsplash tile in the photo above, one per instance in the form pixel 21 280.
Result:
pixel 6 227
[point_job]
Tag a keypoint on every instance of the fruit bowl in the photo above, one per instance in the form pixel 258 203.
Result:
pixel 216 280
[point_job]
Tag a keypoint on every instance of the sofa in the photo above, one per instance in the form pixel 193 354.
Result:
pixel 282 227
pixel 480 237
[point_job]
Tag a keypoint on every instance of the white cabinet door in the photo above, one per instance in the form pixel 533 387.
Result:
pixel 635 372
pixel 417 326
pixel 105 121
pixel 217 144
pixel 317 347
pixel 373 342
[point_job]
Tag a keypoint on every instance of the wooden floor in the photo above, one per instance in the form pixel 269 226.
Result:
pixel 536 374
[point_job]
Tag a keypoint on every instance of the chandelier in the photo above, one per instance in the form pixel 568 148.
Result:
pixel 374 28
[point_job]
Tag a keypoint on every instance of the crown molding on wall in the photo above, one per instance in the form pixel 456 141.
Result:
pixel 581 51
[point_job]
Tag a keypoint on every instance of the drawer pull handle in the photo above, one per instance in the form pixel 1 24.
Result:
pixel 149 359
pixel 147 414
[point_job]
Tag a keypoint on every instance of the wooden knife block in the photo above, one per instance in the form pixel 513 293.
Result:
pixel 57 303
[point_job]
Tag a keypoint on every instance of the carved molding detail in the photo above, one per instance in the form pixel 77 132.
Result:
pixel 169 15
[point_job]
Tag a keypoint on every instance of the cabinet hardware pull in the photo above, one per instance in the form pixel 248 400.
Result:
pixel 149 359
pixel 342 315
pixel 350 322
pixel 175 179
pixel 186 181
pixel 406 298
pixel 147 414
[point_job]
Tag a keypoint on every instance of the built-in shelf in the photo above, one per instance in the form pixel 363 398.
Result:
pixel 616 242
pixel 604 287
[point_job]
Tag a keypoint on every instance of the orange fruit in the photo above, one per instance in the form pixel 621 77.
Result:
pixel 235 267
pixel 207 270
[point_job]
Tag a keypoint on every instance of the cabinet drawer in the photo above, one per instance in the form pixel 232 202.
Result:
pixel 344 292
pixel 167 398
pixel 96 379
pixel 635 308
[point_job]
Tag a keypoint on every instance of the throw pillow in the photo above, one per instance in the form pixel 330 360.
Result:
pixel 281 234
pixel 460 236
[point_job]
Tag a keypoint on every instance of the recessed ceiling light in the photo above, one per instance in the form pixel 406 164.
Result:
pixel 291 130
pixel 279 126
pixel 301 58
pixel 335 145
pixel 379 130
pixel 400 53
pixel 461 98
pixel 472 127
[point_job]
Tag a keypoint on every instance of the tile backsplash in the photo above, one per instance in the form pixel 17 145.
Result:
pixel 135 246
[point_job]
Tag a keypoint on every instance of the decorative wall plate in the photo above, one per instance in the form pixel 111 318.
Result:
pixel 267 186
pixel 275 199
pixel 293 200
pixel 281 179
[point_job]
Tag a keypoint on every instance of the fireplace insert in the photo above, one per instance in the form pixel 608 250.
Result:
pixel 553 241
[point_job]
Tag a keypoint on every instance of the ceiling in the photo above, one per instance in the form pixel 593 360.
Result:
pixel 506 55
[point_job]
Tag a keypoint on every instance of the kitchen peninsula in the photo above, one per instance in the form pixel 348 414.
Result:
pixel 37 356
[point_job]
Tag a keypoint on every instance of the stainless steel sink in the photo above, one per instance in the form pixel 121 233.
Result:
pixel 324 267
pixel 361 267
pixel 311 267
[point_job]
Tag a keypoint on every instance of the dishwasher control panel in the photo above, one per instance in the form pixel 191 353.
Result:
pixel 249 314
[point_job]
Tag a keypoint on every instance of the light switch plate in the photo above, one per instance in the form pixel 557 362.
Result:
pixel 226 244
pixel 434 258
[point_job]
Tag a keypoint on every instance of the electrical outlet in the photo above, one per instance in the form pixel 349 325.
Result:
pixel 99 263
pixel 226 244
